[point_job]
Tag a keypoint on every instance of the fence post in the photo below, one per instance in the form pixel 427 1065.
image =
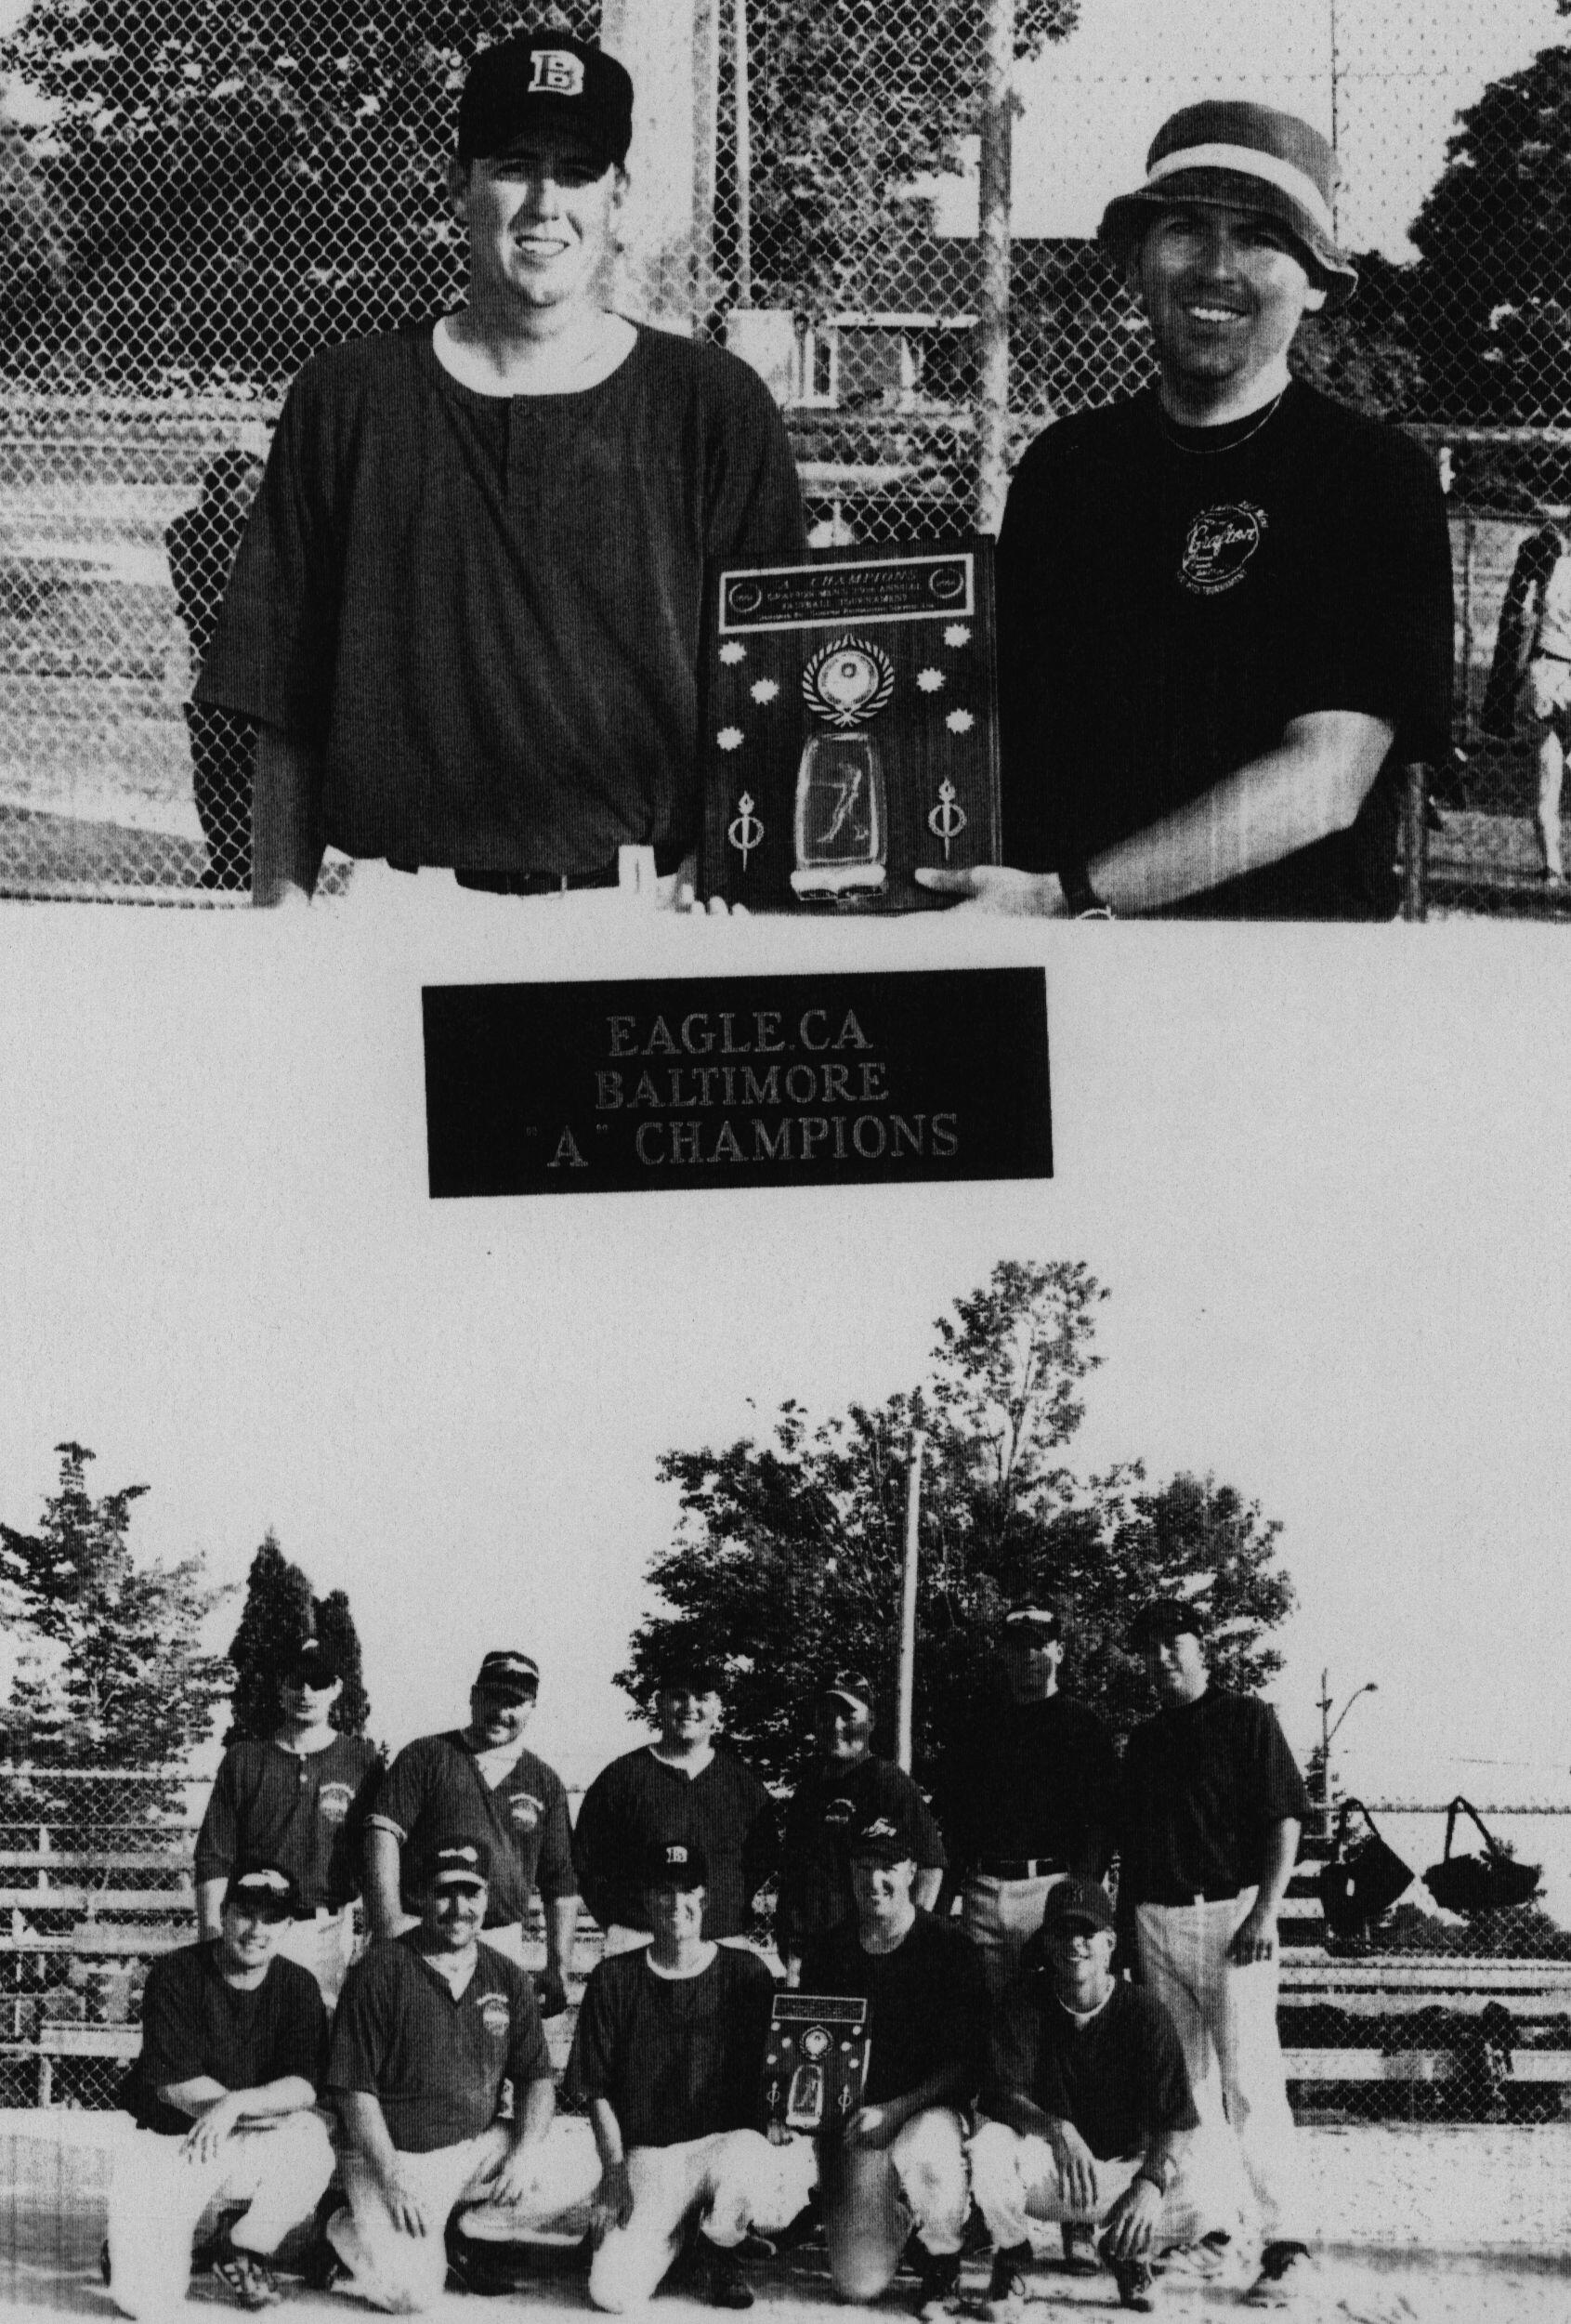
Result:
pixel 992 330
pixel 1415 843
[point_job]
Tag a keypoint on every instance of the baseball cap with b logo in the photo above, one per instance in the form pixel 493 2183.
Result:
pixel 546 82
pixel 676 1864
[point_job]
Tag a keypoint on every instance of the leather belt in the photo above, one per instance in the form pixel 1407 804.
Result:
pixel 668 859
pixel 1022 1867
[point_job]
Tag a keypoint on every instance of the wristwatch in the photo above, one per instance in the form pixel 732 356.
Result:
pixel 1079 894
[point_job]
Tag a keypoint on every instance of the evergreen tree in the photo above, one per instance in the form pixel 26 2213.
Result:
pixel 279 1617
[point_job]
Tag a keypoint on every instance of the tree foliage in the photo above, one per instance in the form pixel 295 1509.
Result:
pixel 112 1672
pixel 279 1617
pixel 789 1547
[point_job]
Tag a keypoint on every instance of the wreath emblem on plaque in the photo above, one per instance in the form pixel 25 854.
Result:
pixel 848 682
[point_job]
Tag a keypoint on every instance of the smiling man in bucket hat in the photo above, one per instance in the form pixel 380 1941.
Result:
pixel 1224 604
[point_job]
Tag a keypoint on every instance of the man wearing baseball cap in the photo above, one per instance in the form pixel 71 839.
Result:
pixel 1224 604
pixel 299 1800
pixel 234 2044
pixel 1089 2111
pixel 898 2161
pixel 844 1785
pixel 668 2058
pixel 684 1786
pixel 479 1781
pixel 430 2027
pixel 1210 1813
pixel 467 611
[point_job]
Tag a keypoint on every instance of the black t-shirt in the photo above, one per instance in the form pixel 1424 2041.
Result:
pixel 1119 2078
pixel 1032 1779
pixel 1170 599
pixel 195 2023
pixel 814 1891
pixel 487 611
pixel 303 1811
pixel 1202 1784
pixel 436 2063
pixel 676 2057
pixel 435 1788
pixel 638 1802
pixel 928 2005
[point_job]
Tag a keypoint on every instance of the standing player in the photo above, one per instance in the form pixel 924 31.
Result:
pixel 845 1786
pixel 1209 1824
pixel 478 1783
pixel 899 2161
pixel 682 1788
pixel 430 2027
pixel 467 614
pixel 668 2056
pixel 297 1800
pixel 1027 1794
pixel 1089 2112
pixel 234 2043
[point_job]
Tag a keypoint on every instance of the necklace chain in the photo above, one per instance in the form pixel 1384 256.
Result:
pixel 1213 452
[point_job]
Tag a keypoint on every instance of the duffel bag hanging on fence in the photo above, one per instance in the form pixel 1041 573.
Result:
pixel 1361 1879
pixel 1490 1883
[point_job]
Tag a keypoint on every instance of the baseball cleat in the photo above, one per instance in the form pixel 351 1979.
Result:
pixel 728 2287
pixel 1007 2286
pixel 938 2283
pixel 249 2278
pixel 1286 2271
pixel 1080 2247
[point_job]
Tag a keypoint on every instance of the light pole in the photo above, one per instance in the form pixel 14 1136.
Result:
pixel 1328 1735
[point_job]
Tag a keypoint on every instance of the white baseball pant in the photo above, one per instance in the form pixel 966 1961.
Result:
pixel 278 2168
pixel 999 1916
pixel 1227 2021
pixel 1014 2178
pixel 732 2180
pixel 876 2197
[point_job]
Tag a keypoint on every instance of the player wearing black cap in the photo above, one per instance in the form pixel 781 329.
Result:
pixel 680 1787
pixel 429 2028
pixel 1089 2109
pixel 468 609
pixel 844 1786
pixel 1027 1794
pixel 234 2043
pixel 298 1800
pixel 478 1783
pixel 668 2056
pixel 899 2161
pixel 1211 1809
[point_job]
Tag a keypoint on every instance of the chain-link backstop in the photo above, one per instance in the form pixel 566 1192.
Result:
pixel 194 197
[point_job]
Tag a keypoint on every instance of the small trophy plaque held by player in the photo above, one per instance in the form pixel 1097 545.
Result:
pixel 816 2066
pixel 852 732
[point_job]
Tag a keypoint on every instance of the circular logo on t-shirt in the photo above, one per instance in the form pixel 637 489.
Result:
pixel 838 1812
pixel 525 1809
pixel 1219 545
pixel 495 2015
pixel 332 1802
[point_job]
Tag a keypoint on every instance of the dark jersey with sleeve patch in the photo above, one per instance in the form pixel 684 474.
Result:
pixel 487 612
pixel 194 2023
pixel 436 2063
pixel 815 1887
pixel 1202 1784
pixel 303 1811
pixel 435 1790
pixel 929 2008
pixel 675 2057
pixel 1032 1779
pixel 638 1802
pixel 1119 2077
pixel 1169 599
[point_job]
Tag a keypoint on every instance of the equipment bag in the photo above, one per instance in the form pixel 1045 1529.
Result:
pixel 1362 1879
pixel 1489 1883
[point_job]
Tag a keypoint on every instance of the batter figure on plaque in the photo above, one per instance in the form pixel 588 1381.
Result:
pixel 842 817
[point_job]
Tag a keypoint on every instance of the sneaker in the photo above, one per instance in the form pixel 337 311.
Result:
pixel 1006 2286
pixel 728 2287
pixel 476 2267
pixel 1285 2272
pixel 1080 2247
pixel 251 2280
pixel 1211 2260
pixel 938 2283
pixel 1136 2279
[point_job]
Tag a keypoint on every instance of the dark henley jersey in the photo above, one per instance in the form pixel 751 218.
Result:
pixel 434 2063
pixel 303 1811
pixel 1032 1779
pixel 1169 599
pixel 195 2023
pixel 435 1789
pixel 815 1889
pixel 675 2057
pixel 639 1803
pixel 928 2005
pixel 1119 2078
pixel 1202 1784
pixel 487 611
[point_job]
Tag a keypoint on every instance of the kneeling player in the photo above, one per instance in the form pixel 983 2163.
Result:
pixel 1092 2109
pixel 668 2056
pixel 899 2161
pixel 431 2026
pixel 234 2042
